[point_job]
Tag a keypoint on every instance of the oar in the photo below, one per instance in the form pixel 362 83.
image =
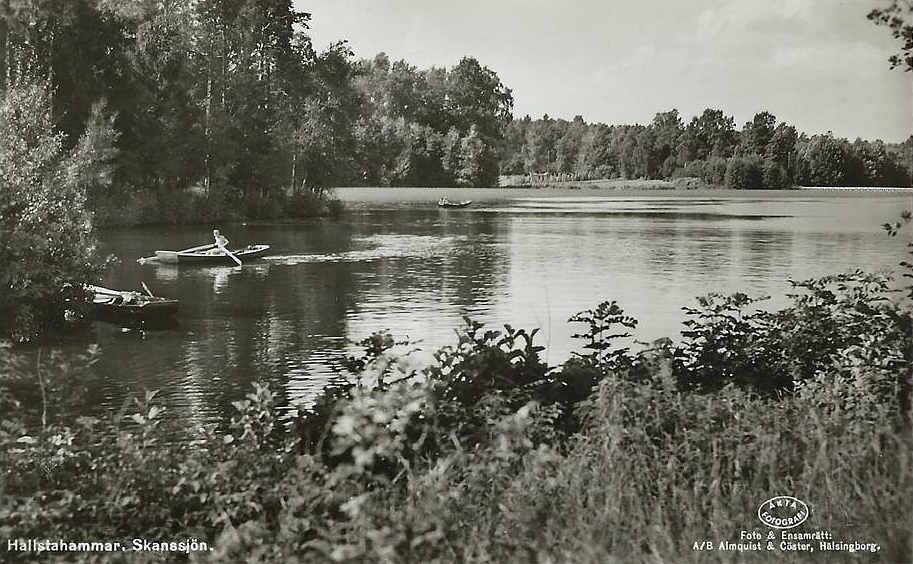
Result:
pixel 144 260
pixel 106 291
pixel 229 253
pixel 148 291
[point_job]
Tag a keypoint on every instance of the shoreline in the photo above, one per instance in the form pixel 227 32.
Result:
pixel 358 196
pixel 367 197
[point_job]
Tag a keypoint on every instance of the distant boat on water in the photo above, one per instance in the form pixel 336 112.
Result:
pixel 446 203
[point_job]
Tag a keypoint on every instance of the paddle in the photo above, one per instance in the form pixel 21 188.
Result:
pixel 148 291
pixel 171 256
pixel 229 253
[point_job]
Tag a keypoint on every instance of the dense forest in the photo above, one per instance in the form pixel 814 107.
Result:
pixel 224 105
pixel 763 154
pixel 218 109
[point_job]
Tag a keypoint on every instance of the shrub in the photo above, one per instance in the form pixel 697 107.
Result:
pixel 834 322
pixel 744 173
pixel 692 169
pixel 48 245
pixel 688 182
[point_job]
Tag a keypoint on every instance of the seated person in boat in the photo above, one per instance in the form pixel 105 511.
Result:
pixel 130 297
pixel 221 243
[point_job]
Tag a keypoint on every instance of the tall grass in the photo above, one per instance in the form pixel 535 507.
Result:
pixel 656 471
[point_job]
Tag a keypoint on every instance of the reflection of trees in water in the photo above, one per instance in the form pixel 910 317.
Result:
pixel 652 265
pixel 413 265
pixel 719 252
pixel 479 267
pixel 764 255
pixel 446 264
pixel 299 338
pixel 200 381
pixel 135 360
pixel 220 306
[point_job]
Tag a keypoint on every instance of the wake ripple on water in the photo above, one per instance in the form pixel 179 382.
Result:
pixel 380 247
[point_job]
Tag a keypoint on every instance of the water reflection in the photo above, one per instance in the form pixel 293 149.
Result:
pixel 531 263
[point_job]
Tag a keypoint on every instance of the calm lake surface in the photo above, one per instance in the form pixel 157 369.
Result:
pixel 397 262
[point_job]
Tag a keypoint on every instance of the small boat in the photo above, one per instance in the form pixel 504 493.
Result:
pixel 445 203
pixel 208 254
pixel 118 305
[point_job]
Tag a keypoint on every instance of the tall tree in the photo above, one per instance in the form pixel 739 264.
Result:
pixel 476 97
pixel 541 151
pixel 568 148
pixel 712 134
pixel 475 169
pixel 758 132
pixel 668 129
pixel 781 145
pixel 823 161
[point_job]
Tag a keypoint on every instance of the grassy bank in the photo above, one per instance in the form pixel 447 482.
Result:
pixel 492 456
pixel 125 206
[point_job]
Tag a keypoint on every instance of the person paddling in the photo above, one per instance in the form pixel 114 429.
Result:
pixel 221 241
pixel 222 246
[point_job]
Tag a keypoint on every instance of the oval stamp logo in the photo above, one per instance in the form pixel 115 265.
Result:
pixel 783 512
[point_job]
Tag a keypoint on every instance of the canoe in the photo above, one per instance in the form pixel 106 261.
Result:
pixel 445 203
pixel 209 254
pixel 121 305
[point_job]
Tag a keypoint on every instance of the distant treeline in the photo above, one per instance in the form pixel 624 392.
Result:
pixel 763 154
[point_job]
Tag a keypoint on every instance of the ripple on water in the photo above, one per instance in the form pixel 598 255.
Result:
pixel 379 247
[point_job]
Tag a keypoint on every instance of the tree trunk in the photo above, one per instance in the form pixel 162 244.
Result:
pixel 294 172
pixel 224 70
pixel 208 129
pixel 4 47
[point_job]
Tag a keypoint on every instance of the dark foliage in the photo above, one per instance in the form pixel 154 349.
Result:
pixel 47 242
pixel 896 16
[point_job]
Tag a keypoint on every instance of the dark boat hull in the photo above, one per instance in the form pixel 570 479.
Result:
pixel 112 305
pixel 151 311
pixel 201 256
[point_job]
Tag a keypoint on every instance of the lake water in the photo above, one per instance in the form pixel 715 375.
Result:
pixel 397 262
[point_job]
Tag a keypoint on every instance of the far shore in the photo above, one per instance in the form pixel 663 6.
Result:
pixel 377 195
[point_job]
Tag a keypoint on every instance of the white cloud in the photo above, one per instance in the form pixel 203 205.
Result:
pixel 737 18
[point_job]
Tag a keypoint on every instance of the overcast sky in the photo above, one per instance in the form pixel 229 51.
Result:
pixel 818 64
